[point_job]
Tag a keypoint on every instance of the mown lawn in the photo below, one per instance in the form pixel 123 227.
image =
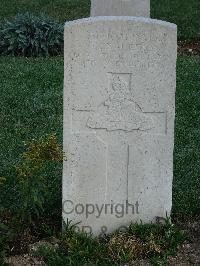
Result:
pixel 31 106
pixel 187 137
pixel 186 14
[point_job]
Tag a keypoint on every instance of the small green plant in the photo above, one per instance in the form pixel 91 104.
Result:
pixel 76 249
pixel 30 35
pixel 153 242
pixel 31 194
pixel 80 247
pixel 32 185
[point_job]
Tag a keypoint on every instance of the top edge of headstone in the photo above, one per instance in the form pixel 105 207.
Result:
pixel 120 18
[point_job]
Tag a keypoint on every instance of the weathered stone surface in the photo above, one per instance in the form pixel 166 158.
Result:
pixel 119 100
pixel 136 8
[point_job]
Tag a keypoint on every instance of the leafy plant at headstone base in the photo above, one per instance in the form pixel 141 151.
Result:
pixel 29 35
pixel 152 242
pixel 32 184
pixel 76 249
pixel 162 239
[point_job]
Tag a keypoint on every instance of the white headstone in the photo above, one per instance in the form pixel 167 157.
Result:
pixel 119 109
pixel 137 8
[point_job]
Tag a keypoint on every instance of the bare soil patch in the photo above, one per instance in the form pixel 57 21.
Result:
pixel 189 47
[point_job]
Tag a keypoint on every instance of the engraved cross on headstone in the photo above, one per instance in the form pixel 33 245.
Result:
pixel 121 112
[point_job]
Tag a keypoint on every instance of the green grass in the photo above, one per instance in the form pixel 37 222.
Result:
pixel 61 9
pixel 31 106
pixel 31 102
pixel 187 137
pixel 186 14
